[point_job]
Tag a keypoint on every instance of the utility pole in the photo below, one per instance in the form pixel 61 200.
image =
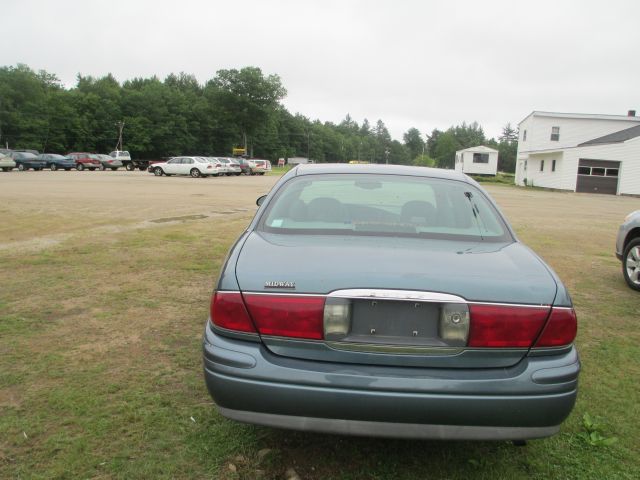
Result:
pixel 308 143
pixel 120 126
pixel 386 155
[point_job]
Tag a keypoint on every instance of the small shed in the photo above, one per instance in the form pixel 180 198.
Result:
pixel 298 160
pixel 478 160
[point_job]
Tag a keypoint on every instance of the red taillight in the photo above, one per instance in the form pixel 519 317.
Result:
pixel 505 326
pixel 561 328
pixel 228 311
pixel 287 316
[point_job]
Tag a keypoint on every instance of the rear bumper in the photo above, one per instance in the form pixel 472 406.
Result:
pixel 388 429
pixel 250 384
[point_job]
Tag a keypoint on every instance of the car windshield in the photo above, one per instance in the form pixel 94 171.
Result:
pixel 384 205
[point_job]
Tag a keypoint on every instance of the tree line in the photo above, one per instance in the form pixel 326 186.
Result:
pixel 180 116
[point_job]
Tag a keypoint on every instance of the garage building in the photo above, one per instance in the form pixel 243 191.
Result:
pixel 580 152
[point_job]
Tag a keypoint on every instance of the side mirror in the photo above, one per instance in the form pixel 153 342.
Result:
pixel 260 200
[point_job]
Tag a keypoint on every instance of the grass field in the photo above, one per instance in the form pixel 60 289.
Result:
pixel 102 304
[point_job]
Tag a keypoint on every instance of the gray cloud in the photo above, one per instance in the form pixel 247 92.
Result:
pixel 411 63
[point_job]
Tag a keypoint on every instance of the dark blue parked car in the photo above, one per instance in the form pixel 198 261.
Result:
pixel 56 162
pixel 27 160
pixel 389 301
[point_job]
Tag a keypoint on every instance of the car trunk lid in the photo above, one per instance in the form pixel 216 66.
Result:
pixel 398 290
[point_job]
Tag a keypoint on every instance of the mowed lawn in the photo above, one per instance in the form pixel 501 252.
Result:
pixel 104 291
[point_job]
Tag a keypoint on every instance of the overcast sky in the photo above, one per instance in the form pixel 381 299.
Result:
pixel 423 64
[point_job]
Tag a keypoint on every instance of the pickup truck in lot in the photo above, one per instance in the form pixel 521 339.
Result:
pixel 128 163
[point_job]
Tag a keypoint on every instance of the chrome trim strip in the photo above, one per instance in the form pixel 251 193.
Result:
pixel 395 349
pixel 401 295
pixel 521 305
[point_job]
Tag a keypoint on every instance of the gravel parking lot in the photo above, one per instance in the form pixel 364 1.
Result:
pixel 64 202
pixel 60 203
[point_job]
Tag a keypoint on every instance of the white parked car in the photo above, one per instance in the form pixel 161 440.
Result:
pixel 220 167
pixel 233 167
pixel 194 166
pixel 262 166
pixel 6 163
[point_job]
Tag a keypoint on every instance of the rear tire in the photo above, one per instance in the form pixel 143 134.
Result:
pixel 53 167
pixel 157 172
pixel 129 167
pixel 21 168
pixel 631 264
pixel 80 167
pixel 195 173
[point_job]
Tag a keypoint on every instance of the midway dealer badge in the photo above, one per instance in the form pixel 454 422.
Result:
pixel 273 284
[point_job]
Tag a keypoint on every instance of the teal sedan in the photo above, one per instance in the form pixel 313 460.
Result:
pixel 54 162
pixel 389 301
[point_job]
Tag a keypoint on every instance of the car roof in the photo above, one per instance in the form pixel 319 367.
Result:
pixel 383 169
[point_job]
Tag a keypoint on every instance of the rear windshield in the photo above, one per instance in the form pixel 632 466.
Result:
pixel 384 205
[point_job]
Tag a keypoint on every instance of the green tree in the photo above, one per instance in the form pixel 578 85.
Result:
pixel 509 134
pixel 424 160
pixel 432 142
pixel 248 96
pixel 24 106
pixel 414 143
pixel 470 135
pixel 445 150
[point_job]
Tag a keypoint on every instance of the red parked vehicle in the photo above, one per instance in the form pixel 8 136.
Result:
pixel 85 160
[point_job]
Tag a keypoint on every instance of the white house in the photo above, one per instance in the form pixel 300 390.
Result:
pixel 478 160
pixel 580 152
